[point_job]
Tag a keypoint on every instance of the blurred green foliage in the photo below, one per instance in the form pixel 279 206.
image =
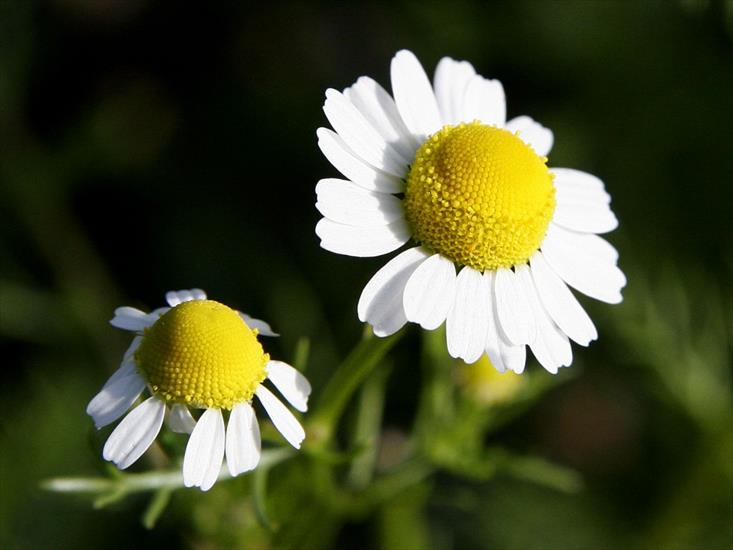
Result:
pixel 148 146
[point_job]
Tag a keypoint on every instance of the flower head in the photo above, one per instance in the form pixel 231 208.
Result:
pixel 500 235
pixel 197 354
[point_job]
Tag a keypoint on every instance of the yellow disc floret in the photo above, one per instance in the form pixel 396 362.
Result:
pixel 201 353
pixel 479 196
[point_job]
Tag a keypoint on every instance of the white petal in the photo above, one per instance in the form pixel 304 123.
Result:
pixel 290 383
pixel 158 313
pixel 380 110
pixel 451 79
pixel 430 292
pixel 502 354
pixel 354 168
pixel 551 347
pixel 587 217
pixel 130 352
pixel 117 395
pixel 132 437
pixel 243 445
pixel 468 319
pixel 593 276
pixel 512 306
pixel 205 451
pixel 380 303
pixel 576 180
pixel 175 297
pixel 180 419
pixel 362 241
pixel 589 246
pixel 574 186
pixel 532 133
pixel 514 357
pixel 492 330
pixel 484 100
pixel 360 136
pixel 414 96
pixel 263 328
pixel 345 202
pixel 281 417
pixel 560 303
pixel 492 350
pixel 130 318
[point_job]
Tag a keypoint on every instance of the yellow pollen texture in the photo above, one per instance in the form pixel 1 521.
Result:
pixel 201 353
pixel 479 196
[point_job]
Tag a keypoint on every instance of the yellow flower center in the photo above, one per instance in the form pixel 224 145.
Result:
pixel 202 354
pixel 479 196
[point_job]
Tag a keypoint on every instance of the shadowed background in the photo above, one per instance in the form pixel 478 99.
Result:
pixel 150 146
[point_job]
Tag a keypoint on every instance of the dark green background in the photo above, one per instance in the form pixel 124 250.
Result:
pixel 153 146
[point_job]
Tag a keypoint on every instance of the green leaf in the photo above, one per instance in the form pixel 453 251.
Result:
pixel 301 353
pixel 538 470
pixel 109 498
pixel 365 434
pixel 156 507
pixel 259 497
pixel 269 459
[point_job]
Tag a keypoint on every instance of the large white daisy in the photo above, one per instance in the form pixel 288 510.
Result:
pixel 500 235
pixel 197 354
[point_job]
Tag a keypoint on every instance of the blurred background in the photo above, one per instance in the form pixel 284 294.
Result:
pixel 148 146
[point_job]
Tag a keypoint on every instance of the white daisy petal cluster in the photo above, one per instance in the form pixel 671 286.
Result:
pixel 501 237
pixel 197 354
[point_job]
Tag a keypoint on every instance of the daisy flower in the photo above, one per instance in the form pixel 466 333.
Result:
pixel 500 235
pixel 197 354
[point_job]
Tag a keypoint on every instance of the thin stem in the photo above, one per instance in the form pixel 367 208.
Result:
pixel 148 481
pixel 345 381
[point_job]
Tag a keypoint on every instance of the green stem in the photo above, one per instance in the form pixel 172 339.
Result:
pixel 436 406
pixel 125 484
pixel 367 428
pixel 345 381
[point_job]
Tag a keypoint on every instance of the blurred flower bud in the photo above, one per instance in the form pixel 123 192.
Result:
pixel 483 383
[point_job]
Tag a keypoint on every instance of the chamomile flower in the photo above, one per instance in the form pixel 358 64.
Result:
pixel 197 354
pixel 500 234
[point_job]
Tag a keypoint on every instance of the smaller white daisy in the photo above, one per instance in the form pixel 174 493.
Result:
pixel 197 354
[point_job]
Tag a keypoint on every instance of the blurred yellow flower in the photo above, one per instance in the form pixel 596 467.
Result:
pixel 487 385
